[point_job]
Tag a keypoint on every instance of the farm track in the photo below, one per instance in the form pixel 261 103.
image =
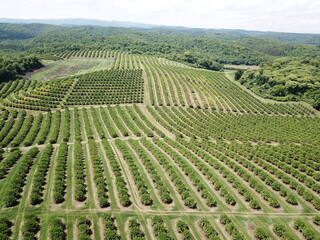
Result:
pixel 170 213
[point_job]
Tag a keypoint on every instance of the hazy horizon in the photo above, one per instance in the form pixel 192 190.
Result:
pixel 297 16
pixel 143 23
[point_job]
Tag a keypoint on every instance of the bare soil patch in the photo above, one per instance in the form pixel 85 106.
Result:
pixel 241 67
pixel 71 66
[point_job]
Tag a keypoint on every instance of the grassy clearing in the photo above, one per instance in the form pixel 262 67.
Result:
pixel 71 66
pixel 241 67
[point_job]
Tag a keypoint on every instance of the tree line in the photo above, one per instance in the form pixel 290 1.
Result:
pixel 13 68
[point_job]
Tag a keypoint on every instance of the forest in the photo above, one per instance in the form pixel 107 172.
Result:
pixel 13 68
pixel 206 50
pixel 287 79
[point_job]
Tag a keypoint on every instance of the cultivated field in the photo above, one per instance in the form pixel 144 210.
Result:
pixel 154 149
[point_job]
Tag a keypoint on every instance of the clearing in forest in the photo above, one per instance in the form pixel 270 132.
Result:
pixel 68 67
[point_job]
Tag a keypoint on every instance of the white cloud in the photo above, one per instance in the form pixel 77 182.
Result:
pixel 284 15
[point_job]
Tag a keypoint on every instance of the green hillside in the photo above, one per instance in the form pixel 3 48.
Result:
pixel 205 48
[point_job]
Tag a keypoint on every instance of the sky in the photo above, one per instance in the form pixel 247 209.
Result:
pixel 301 16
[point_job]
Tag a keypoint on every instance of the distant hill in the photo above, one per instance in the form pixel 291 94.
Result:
pixel 80 22
pixel 197 47
pixel 306 38
pixel 279 36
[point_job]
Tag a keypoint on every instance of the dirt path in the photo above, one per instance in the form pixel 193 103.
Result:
pixel 91 177
pixel 150 228
pixel 152 81
pixel 222 229
pixel 174 227
pixel 155 123
pixel 136 199
pixel 75 231
pixel 149 179
pixel 211 187
pixel 114 183
pixel 147 99
pixel 186 179
pixel 126 228
pixel 101 228
pixel 283 205
pixel 177 200
pixel 199 230
pixel 174 90
pixel 75 203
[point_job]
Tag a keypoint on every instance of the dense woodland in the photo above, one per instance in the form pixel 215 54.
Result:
pixel 206 49
pixel 287 79
pixel 12 68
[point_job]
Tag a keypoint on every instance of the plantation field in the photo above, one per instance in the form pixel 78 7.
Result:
pixel 72 66
pixel 154 149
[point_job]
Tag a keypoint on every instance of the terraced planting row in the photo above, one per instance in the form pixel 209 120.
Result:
pixel 87 54
pixel 187 87
pixel 41 96
pixel 206 124
pixel 20 129
pixel 132 226
pixel 106 226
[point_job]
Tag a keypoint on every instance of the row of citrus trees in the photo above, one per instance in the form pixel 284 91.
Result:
pixel 179 86
pixel 19 129
pixel 108 87
pixel 84 229
pixel 196 123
